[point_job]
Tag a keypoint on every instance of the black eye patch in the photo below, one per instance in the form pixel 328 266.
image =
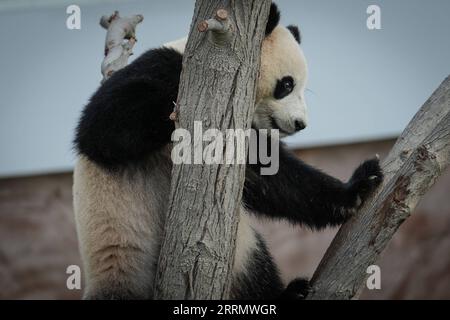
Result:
pixel 284 87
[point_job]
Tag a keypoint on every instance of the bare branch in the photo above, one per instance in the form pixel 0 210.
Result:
pixel 420 155
pixel 117 50
pixel 220 27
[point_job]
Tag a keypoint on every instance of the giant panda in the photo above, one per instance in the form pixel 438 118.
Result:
pixel 122 176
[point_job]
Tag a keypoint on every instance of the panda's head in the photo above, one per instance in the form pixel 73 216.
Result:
pixel 280 102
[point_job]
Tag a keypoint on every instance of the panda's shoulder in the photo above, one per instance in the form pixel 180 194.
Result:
pixel 157 57
pixel 155 64
pixel 158 69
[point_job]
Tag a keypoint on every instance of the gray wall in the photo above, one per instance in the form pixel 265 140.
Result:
pixel 363 84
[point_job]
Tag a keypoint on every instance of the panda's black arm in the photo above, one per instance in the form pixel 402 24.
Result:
pixel 128 117
pixel 305 195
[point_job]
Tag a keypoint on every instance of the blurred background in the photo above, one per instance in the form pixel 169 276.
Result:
pixel 365 85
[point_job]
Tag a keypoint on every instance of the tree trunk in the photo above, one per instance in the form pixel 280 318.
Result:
pixel 218 87
pixel 420 155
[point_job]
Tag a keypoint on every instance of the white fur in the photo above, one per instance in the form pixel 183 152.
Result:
pixel 246 242
pixel 179 45
pixel 119 223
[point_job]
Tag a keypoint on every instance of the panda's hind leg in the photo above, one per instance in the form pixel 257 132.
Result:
pixel 255 275
pixel 119 217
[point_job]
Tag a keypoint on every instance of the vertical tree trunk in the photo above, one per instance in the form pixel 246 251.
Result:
pixel 218 87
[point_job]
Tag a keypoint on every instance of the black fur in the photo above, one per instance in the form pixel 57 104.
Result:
pixel 297 289
pixel 306 196
pixel 284 87
pixel 295 32
pixel 262 280
pixel 365 178
pixel 128 117
pixel 274 19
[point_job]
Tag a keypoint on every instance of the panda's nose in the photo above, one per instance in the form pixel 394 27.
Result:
pixel 299 125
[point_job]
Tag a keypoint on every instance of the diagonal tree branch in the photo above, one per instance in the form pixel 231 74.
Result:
pixel 418 158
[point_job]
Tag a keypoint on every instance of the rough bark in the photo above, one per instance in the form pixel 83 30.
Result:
pixel 117 49
pixel 218 87
pixel 418 158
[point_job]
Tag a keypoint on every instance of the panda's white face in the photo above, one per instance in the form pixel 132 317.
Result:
pixel 280 100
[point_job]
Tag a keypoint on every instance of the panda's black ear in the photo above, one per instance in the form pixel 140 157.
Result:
pixel 295 32
pixel 274 18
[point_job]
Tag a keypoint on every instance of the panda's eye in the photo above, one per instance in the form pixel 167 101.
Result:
pixel 284 87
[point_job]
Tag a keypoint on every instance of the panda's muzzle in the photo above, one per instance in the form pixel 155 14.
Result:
pixel 299 125
pixel 275 126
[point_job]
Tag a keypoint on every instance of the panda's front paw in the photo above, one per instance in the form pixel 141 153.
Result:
pixel 366 178
pixel 297 289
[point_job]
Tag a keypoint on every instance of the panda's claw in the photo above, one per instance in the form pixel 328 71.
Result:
pixel 366 178
pixel 298 289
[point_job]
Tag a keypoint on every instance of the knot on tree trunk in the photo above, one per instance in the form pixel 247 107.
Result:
pixel 220 26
